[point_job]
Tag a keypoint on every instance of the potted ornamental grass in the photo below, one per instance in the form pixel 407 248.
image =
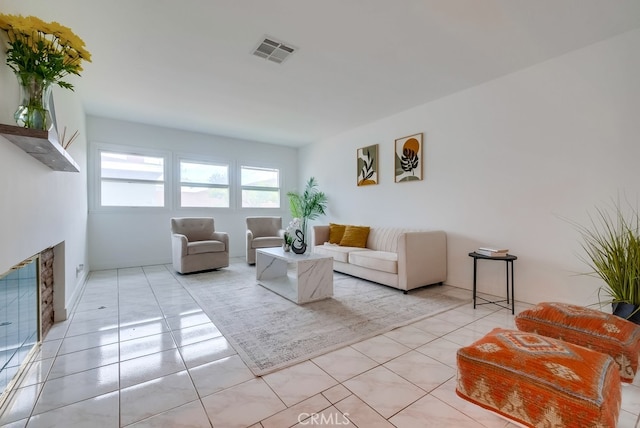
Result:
pixel 308 205
pixel 611 243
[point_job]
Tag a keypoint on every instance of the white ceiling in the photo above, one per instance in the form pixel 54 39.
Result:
pixel 188 64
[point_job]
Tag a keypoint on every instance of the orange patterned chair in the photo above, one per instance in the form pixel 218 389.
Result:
pixel 536 380
pixel 592 328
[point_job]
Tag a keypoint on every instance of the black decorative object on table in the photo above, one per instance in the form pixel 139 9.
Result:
pixel 298 246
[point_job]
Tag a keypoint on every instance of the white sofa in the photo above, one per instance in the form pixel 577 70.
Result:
pixel 400 258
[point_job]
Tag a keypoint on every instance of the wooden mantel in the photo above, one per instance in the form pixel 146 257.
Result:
pixel 42 145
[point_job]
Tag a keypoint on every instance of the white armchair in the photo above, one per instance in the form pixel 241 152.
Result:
pixel 197 246
pixel 263 232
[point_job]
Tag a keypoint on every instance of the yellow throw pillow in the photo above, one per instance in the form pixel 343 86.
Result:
pixel 355 236
pixel 335 233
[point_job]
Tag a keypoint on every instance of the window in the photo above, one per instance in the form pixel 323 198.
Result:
pixel 204 184
pixel 260 187
pixel 131 180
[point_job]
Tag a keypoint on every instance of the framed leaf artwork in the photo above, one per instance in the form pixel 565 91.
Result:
pixel 367 165
pixel 408 158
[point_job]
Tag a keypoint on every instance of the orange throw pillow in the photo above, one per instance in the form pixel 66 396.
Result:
pixel 355 236
pixel 336 231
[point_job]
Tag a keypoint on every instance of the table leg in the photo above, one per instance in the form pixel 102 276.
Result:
pixel 475 261
pixel 507 266
pixel 513 295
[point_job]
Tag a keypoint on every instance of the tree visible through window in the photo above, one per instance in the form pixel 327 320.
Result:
pixel 204 184
pixel 260 187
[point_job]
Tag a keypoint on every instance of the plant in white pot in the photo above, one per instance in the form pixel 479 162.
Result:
pixel 612 246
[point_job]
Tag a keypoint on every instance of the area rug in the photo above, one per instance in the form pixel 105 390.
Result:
pixel 270 332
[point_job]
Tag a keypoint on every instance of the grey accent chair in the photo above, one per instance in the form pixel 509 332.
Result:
pixel 196 246
pixel 263 232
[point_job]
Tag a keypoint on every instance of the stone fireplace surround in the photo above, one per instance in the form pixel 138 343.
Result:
pixel 46 291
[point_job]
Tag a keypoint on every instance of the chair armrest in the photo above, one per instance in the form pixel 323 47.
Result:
pixel 249 239
pixel 222 237
pixel 178 245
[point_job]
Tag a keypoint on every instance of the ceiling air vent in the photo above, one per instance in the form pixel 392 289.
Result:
pixel 273 50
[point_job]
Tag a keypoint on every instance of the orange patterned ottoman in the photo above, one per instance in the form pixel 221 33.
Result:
pixel 539 381
pixel 594 329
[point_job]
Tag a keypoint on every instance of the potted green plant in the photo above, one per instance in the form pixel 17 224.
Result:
pixel 612 246
pixel 308 205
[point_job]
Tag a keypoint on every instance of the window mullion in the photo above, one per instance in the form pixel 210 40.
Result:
pixel 261 188
pixel 130 180
pixel 209 185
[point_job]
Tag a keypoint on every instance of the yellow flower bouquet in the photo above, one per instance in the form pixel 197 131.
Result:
pixel 40 54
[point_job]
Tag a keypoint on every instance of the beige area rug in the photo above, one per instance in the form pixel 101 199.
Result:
pixel 269 332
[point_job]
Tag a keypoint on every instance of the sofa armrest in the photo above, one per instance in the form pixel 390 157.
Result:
pixel 422 258
pixel 320 235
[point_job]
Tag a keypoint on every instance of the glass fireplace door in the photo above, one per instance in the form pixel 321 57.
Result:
pixel 18 318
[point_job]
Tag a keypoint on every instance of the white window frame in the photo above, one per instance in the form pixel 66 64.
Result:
pixel 256 165
pixel 204 161
pixel 96 185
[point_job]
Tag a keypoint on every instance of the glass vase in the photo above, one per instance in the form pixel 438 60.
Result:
pixel 33 111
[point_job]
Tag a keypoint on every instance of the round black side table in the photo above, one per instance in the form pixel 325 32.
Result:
pixel 508 259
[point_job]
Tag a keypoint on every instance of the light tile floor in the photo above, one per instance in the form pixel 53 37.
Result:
pixel 137 351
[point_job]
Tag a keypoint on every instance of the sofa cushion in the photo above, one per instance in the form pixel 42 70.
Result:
pixel 587 327
pixel 355 236
pixel 377 260
pixel 200 247
pixel 339 253
pixel 336 232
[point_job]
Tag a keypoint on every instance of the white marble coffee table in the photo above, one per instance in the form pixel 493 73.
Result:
pixel 310 280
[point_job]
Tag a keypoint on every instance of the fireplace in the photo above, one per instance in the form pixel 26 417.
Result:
pixel 26 312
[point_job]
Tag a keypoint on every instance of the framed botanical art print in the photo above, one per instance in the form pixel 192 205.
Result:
pixel 408 158
pixel 367 165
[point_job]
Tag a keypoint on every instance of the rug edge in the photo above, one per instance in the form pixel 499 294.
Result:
pixel 263 372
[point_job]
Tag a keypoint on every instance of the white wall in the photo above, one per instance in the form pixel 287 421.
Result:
pixel 40 207
pixel 504 162
pixel 135 237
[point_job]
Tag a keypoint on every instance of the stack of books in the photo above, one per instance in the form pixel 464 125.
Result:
pixel 492 252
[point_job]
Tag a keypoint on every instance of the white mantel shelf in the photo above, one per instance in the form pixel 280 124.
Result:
pixel 42 145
